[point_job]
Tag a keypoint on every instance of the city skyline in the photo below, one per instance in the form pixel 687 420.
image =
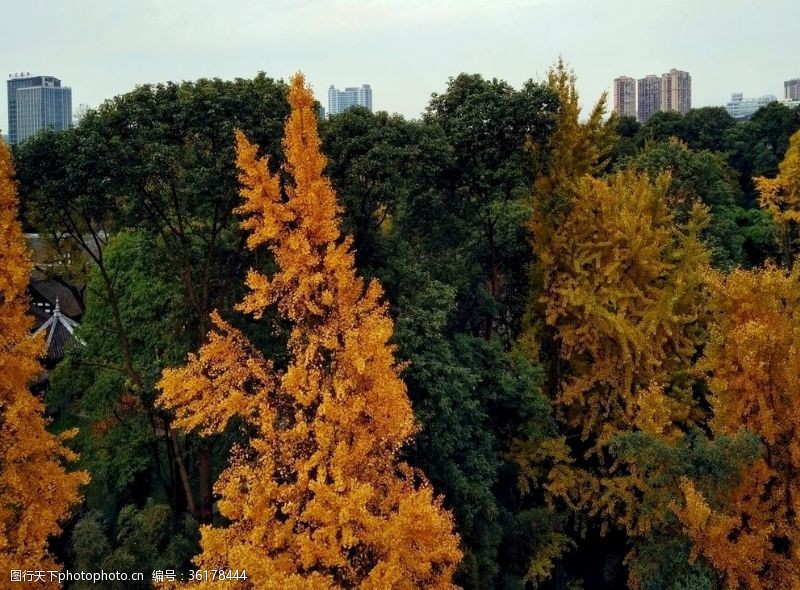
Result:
pixel 670 92
pixel 406 50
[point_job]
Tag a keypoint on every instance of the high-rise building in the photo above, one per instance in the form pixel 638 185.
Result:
pixel 791 89
pixel 341 100
pixel 625 96
pixel 649 97
pixel 676 91
pixel 36 103
pixel 743 108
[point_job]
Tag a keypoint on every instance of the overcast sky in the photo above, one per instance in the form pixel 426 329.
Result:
pixel 406 49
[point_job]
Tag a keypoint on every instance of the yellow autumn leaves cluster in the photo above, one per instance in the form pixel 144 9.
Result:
pixel 316 497
pixel 36 492
pixel 753 361
pixel 629 317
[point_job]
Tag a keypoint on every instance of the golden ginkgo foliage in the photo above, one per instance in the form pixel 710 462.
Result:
pixel 780 196
pixel 623 291
pixel 576 149
pixel 318 497
pixel 753 360
pixel 36 493
pixel 623 296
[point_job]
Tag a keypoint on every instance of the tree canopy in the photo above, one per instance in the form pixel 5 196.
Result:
pixel 317 498
pixel 36 490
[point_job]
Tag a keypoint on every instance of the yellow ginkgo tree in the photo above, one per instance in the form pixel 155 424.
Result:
pixel 753 361
pixel 36 492
pixel 780 197
pixel 318 497
pixel 623 297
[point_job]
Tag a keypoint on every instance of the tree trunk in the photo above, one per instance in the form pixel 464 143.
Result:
pixel 206 485
pixel 187 488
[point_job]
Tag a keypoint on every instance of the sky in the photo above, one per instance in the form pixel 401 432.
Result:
pixel 405 49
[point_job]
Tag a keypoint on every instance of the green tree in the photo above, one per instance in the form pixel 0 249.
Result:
pixel 379 164
pixel 705 128
pixel 158 159
pixel 120 442
pixel 143 539
pixel 477 217
pixel 662 126
pixel 472 400
pixel 735 235
pixel 756 147
pixel 626 146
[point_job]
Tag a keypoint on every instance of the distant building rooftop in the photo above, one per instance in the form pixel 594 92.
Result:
pixel 740 107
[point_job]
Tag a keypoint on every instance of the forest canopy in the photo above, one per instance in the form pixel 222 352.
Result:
pixel 507 345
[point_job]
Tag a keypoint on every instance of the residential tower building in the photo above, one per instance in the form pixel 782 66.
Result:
pixel 676 91
pixel 625 96
pixel 791 89
pixel 649 97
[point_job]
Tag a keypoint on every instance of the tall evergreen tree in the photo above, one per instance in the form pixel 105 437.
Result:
pixel 780 197
pixel 36 492
pixel 754 367
pixel 317 498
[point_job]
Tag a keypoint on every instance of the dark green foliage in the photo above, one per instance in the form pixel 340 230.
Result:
pixel 162 158
pixel 456 446
pixel 628 130
pixel 478 216
pixel 662 126
pixel 705 128
pixel 378 164
pixel 471 399
pixel 140 540
pixel 701 129
pixel 661 558
pixel 752 148
pixel 736 236
pixel 119 445
pixel 756 147
pixel 663 564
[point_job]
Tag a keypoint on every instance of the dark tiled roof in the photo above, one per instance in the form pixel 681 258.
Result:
pixel 61 249
pixel 39 316
pixel 59 339
pixel 58 331
pixel 52 290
